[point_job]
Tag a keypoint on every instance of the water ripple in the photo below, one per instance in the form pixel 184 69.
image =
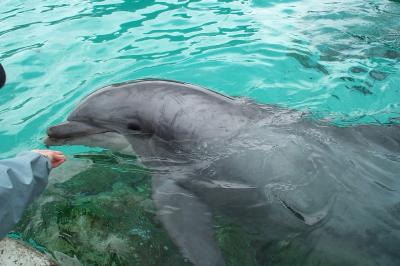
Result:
pixel 339 60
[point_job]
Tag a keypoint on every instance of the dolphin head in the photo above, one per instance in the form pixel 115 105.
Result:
pixel 142 109
pixel 112 117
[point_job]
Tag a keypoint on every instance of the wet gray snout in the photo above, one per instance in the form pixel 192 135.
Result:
pixel 69 130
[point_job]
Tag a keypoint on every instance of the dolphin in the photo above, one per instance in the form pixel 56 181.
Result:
pixel 277 171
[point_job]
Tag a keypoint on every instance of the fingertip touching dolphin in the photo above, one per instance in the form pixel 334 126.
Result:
pixel 272 169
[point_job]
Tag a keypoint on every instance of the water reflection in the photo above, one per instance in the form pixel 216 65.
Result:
pixel 338 60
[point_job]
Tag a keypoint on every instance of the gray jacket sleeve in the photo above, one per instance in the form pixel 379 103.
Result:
pixel 22 179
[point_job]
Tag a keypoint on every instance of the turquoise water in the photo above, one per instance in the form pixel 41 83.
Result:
pixel 339 60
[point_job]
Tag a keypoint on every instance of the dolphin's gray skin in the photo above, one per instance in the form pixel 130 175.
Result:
pixel 278 172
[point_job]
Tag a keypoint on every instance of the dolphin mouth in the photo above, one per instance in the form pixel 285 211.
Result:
pixel 54 142
pixel 62 133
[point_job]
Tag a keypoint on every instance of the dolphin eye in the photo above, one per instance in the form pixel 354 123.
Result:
pixel 133 126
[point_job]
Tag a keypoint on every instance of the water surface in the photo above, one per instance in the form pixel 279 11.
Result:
pixel 339 60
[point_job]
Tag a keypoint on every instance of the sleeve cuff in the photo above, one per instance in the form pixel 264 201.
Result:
pixel 40 157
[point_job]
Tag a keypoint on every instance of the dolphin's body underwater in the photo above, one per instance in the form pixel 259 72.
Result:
pixel 277 171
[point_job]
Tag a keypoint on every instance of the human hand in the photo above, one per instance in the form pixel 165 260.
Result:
pixel 56 157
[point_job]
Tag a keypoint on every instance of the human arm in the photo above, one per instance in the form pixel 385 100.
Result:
pixel 22 180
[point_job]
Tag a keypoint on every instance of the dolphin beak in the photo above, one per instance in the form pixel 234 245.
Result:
pixel 53 142
pixel 61 133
